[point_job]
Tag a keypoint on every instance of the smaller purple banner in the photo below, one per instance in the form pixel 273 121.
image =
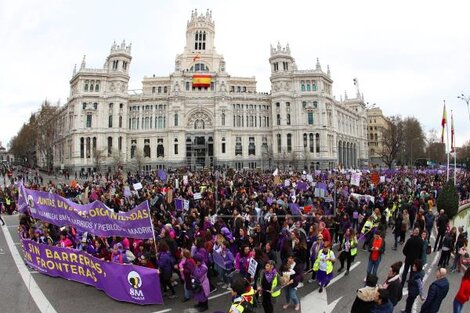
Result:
pixel 122 282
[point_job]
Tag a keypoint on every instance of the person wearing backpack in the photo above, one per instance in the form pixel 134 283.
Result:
pixel 415 285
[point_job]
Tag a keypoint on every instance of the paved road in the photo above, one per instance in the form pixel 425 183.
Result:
pixel 71 297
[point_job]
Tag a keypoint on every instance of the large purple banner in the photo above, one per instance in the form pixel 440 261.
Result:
pixel 127 283
pixel 95 218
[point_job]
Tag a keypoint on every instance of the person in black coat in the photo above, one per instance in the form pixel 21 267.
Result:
pixel 412 250
pixel 393 284
pixel 436 293
pixel 441 224
pixel 415 285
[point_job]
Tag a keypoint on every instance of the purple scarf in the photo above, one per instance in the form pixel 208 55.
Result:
pixel 270 275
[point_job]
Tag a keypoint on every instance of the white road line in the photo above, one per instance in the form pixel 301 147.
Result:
pixel 163 311
pixel 415 304
pixel 219 295
pixel 38 296
pixel 335 279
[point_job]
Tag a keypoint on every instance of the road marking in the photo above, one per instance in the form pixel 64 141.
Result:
pixel 38 296
pixel 415 305
pixel 318 302
pixel 163 311
pixel 219 295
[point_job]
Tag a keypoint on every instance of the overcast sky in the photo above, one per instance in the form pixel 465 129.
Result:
pixel 408 56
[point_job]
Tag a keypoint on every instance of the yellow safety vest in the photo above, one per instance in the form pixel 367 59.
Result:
pixel 276 293
pixel 329 264
pixel 237 305
pixel 367 226
pixel 353 247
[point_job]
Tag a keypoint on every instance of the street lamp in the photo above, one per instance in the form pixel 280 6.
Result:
pixel 467 100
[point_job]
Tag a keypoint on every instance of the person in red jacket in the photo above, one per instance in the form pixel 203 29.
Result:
pixel 463 294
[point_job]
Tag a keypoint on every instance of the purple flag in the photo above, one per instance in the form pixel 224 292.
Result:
pixel 179 204
pixel 294 208
pixel 95 218
pixel 162 174
pixel 302 186
pixel 321 185
pixel 128 283
pixel 270 200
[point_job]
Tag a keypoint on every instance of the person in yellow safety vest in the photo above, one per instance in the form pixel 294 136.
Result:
pixel 324 266
pixel 243 296
pixel 348 250
pixel 268 285
pixel 367 231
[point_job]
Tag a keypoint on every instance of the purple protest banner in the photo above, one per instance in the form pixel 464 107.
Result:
pixel 302 186
pixel 129 283
pixel 218 259
pixel 294 208
pixel 95 218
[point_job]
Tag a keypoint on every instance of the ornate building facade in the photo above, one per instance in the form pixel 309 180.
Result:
pixel 377 125
pixel 202 117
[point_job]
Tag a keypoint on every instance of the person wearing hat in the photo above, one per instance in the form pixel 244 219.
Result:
pixel 376 249
pixel 324 266
pixel 268 285
pixel 200 275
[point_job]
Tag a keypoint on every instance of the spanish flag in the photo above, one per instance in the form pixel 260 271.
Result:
pixel 202 80
pixel 443 122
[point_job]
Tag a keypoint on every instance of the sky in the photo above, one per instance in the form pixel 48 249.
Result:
pixel 408 56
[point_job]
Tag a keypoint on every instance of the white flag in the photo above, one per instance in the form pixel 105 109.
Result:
pixel 275 172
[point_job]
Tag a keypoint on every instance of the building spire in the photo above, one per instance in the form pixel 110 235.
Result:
pixel 318 66
pixel 83 62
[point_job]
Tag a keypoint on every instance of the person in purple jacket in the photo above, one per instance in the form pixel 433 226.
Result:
pixel 165 267
pixel 200 275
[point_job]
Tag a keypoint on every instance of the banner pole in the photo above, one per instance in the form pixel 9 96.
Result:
pixel 153 228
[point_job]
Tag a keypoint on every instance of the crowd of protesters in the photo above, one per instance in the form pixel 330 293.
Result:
pixel 289 231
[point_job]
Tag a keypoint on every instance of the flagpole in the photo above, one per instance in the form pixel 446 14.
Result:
pixel 454 148
pixel 447 144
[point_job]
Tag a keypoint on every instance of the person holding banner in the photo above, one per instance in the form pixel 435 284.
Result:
pixel 268 285
pixel 294 273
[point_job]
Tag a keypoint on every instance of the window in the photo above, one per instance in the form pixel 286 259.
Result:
pixel 86 85
pixel 276 67
pixel 88 120
pixel 95 105
pixel 212 86
pixel 310 118
pixel 278 119
pixel 153 89
pixel 238 146
pixel 278 105
pixel 110 121
pixel 251 146
pixel 315 104
pixel 308 87
pixel 160 148
pixel 285 65
pixel 302 87
pixel 115 64
pixel 314 87
pixel 110 146
pixel 147 151
pixel 97 86
pixel 289 143
pixel 124 65
pixel 288 119
pixel 310 136
pixel 187 86
pixel 279 143
pixel 317 143
pixel 165 89
pixel 305 140
pixel 82 147
pixel 120 144
pixel 223 147
pixel 200 40
pixel 120 121
pixel 92 85
pixel 176 119
pixel 175 146
pixel 223 119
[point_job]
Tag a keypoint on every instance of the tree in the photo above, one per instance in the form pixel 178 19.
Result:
pixel 46 126
pixel 448 199
pixel 99 156
pixel 463 154
pixel 413 141
pixel 117 160
pixel 393 138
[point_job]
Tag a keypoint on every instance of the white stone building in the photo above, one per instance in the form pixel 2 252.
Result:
pixel 200 116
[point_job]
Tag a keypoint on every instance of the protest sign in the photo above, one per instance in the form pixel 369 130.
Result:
pixel 197 196
pixel 252 267
pixel 355 179
pixel 129 283
pixel 95 218
pixel 137 186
